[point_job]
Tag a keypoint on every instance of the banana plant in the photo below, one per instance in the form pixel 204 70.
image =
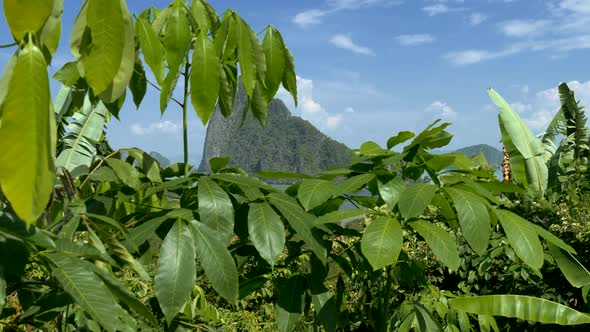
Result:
pixel 527 155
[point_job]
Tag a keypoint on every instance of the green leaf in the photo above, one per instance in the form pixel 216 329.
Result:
pixel 126 68
pixel 218 163
pixel 290 303
pixel 177 34
pixel 152 49
pixel 201 15
pixel 301 222
pixel 283 175
pixel 228 87
pixel 267 231
pixel 215 208
pixel 521 307
pixel 87 289
pixel 289 78
pixel 340 216
pixel 259 104
pixel 522 237
pixel 68 75
pixel 525 150
pixel 2 292
pixel 138 235
pixel 217 262
pixel 391 191
pixel 176 271
pixel 473 217
pixel 312 193
pixel 51 31
pixel 27 170
pixel 382 242
pixel 401 137
pixel 353 184
pixel 273 47
pixel 414 199
pixel 100 57
pixel 138 83
pixel 168 86
pixel 250 56
pixel 371 148
pixel 425 320
pixel 572 269
pixel 25 16
pixel 442 244
pixel 126 173
pixel 552 239
pixel 204 77
pixel 85 132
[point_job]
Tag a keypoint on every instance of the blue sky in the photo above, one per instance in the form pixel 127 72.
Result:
pixel 370 68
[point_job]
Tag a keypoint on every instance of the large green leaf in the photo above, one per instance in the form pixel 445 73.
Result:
pixel 401 137
pixel 138 235
pixel 152 49
pixel 522 237
pixel 525 150
pixel 273 47
pixel 216 261
pixel 176 271
pixel 473 217
pixel 353 184
pixel 169 85
pixel 442 244
pixel 138 83
pixel 125 172
pixel 340 216
pixel 27 170
pixel 2 292
pixel 267 231
pixel 552 239
pixel 289 78
pixel 177 34
pixel 522 307
pixel 290 304
pixel 87 289
pixel 415 198
pixel 250 55
pixel 572 269
pixel 51 31
pixel 215 208
pixel 25 16
pixel 117 87
pixel 85 131
pixel 204 77
pixel 102 51
pixel 243 180
pixel 283 175
pixel 312 193
pixel 391 191
pixel 382 242
pixel 301 222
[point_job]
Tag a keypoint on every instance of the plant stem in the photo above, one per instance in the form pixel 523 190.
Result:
pixel 8 45
pixel 184 119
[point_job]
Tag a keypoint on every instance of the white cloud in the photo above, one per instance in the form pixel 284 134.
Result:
pixel 477 18
pixel 349 110
pixel 468 57
pixel 524 28
pixel 578 6
pixel 161 127
pixel 540 111
pixel 314 16
pixel 309 109
pixel 442 110
pixel 436 9
pixel 309 17
pixel 344 42
pixel 415 39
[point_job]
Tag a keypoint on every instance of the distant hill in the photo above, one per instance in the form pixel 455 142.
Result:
pixel 492 154
pixel 287 143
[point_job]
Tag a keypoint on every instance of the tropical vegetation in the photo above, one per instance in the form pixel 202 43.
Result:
pixel 96 239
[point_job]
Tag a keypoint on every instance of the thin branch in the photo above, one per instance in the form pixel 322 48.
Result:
pixel 8 45
pixel 158 88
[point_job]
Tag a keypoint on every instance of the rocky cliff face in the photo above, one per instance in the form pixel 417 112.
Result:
pixel 286 143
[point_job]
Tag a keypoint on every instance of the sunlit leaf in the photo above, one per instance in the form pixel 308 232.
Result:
pixel 473 217
pixel 382 242
pixel 267 231
pixel 215 208
pixel 442 244
pixel 27 169
pixel 151 47
pixel 523 238
pixel 176 271
pixel 204 77
pixel 415 198
pixel 25 16
pixel 312 193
